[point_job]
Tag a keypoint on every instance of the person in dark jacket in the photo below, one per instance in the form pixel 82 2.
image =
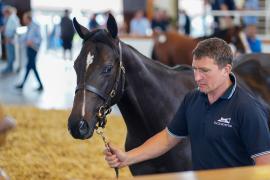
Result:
pixel 67 33
pixel 93 22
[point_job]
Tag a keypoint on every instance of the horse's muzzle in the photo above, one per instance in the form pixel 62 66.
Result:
pixel 80 129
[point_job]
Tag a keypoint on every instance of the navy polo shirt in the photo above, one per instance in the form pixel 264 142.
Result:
pixel 230 132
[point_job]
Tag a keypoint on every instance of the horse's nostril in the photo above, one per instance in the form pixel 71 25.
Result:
pixel 83 127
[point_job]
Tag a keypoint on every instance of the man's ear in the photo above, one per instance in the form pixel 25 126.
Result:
pixel 228 69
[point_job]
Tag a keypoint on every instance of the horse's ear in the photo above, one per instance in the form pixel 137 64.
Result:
pixel 82 31
pixel 112 26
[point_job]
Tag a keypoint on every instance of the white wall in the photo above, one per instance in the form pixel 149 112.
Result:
pixel 143 45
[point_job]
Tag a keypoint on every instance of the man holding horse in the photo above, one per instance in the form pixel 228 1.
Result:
pixel 222 120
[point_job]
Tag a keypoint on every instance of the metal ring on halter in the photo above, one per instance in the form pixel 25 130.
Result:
pixel 101 112
pixel 113 93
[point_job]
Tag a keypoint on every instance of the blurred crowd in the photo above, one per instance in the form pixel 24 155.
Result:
pixel 248 23
pixel 144 25
pixel 140 24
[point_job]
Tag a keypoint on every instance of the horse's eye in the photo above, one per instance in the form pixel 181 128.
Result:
pixel 107 69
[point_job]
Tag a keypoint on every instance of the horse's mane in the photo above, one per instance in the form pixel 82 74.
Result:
pixel 218 34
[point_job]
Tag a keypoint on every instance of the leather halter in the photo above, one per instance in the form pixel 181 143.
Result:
pixel 105 109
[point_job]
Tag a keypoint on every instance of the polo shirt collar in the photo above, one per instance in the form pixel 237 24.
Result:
pixel 229 92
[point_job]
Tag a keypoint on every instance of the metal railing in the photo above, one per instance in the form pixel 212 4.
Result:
pixel 240 13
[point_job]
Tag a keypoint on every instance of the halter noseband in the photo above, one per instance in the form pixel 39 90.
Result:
pixel 105 109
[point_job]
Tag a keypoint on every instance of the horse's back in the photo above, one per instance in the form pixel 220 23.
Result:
pixel 172 48
pixel 182 67
pixel 262 58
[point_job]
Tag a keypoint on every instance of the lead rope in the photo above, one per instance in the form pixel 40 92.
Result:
pixel 102 114
pixel 100 132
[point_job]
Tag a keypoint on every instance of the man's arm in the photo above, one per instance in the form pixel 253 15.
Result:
pixel 153 147
pixel 263 159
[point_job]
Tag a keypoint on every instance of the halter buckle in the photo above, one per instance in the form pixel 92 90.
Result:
pixel 101 113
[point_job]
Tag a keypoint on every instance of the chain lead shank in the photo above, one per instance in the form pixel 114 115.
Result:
pixel 100 132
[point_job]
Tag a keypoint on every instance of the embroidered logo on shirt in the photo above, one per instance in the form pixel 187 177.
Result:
pixel 223 122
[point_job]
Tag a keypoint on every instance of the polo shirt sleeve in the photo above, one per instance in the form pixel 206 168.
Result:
pixel 254 130
pixel 178 126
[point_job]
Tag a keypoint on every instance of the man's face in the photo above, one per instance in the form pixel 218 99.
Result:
pixel 251 31
pixel 25 20
pixel 208 76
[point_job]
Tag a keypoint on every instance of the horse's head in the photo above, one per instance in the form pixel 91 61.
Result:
pixel 100 78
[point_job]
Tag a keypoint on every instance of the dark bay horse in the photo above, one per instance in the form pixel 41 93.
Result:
pixel 172 48
pixel 147 93
pixel 254 71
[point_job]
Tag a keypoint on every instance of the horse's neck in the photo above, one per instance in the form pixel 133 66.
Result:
pixel 151 96
pixel 138 67
pixel 143 73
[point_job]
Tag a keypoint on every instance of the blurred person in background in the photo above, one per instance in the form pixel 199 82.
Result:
pixel 55 34
pixel 93 22
pixel 222 22
pixel 32 41
pixel 2 53
pixel 250 24
pixel 160 21
pixel 67 34
pixel 250 5
pixel 184 22
pixel 11 24
pixel 255 44
pixel 140 25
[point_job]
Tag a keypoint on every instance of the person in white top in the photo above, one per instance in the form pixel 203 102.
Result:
pixel 140 25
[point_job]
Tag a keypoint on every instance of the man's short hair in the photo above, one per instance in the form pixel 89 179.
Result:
pixel 216 49
pixel 10 9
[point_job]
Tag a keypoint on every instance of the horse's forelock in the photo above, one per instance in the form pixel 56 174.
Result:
pixel 100 35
